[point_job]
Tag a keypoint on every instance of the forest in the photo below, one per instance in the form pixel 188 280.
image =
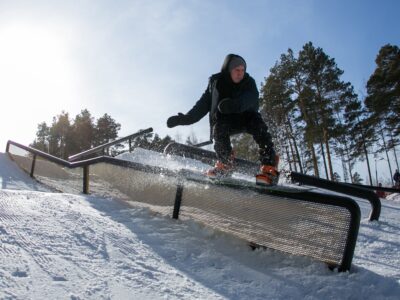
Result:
pixel 315 117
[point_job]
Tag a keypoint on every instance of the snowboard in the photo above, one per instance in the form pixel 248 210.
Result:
pixel 229 181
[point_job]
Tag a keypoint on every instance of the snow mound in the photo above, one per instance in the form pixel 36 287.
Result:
pixel 62 246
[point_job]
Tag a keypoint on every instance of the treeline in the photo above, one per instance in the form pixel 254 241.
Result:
pixel 315 116
pixel 152 142
pixel 67 136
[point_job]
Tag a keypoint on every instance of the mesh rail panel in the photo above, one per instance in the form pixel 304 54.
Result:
pixel 143 188
pixel 21 157
pixel 295 226
pixel 290 225
pixel 320 226
pixel 53 175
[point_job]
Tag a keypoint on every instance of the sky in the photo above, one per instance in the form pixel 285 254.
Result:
pixel 94 247
pixel 143 61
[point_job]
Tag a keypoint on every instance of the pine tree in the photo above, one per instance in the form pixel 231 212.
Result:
pixel 278 109
pixel 42 137
pixel 361 132
pixel 304 101
pixel 66 137
pixel 106 130
pixel 383 97
pixel 383 88
pixel 60 136
pixel 322 77
pixel 83 131
pixel 345 133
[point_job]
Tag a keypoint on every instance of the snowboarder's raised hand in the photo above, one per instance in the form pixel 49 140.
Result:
pixel 179 119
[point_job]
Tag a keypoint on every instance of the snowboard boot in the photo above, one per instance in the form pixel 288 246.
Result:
pixel 268 175
pixel 220 170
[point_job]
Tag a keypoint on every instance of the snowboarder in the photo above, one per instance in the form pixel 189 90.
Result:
pixel 232 101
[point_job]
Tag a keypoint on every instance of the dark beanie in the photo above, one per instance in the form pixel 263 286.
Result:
pixel 236 61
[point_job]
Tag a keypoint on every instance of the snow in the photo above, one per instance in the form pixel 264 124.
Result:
pixel 68 246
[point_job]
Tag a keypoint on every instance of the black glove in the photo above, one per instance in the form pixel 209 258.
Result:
pixel 229 106
pixel 180 119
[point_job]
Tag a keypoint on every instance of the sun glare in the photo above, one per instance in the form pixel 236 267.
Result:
pixel 36 74
pixel 33 63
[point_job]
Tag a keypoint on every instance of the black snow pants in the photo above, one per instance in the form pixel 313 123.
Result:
pixel 247 122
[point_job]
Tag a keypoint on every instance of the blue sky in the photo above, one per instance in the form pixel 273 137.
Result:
pixel 142 61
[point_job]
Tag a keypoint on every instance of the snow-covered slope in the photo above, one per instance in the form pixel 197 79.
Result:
pixel 11 177
pixel 64 246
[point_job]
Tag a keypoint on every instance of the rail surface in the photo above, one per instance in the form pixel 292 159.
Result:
pixel 250 167
pixel 376 188
pixel 109 144
pixel 344 188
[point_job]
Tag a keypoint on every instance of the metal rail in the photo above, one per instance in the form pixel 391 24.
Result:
pixel 109 144
pixel 248 166
pixel 206 156
pixel 376 188
pixel 322 200
pixel 342 188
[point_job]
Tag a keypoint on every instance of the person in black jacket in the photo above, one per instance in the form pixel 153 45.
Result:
pixel 396 178
pixel 232 101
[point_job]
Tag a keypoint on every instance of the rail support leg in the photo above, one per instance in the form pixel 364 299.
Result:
pixel 178 201
pixel 86 179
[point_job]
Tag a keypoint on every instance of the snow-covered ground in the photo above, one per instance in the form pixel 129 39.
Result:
pixel 65 246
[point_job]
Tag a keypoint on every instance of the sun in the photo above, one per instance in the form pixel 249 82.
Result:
pixel 33 61
pixel 37 74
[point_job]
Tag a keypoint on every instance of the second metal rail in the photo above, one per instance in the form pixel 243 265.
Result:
pixel 109 144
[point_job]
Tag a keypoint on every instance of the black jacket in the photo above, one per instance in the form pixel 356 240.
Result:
pixel 221 86
pixel 396 177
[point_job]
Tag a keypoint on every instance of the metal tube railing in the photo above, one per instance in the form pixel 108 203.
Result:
pixel 109 144
pixel 342 188
pixel 85 163
pixel 322 200
pixel 245 165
